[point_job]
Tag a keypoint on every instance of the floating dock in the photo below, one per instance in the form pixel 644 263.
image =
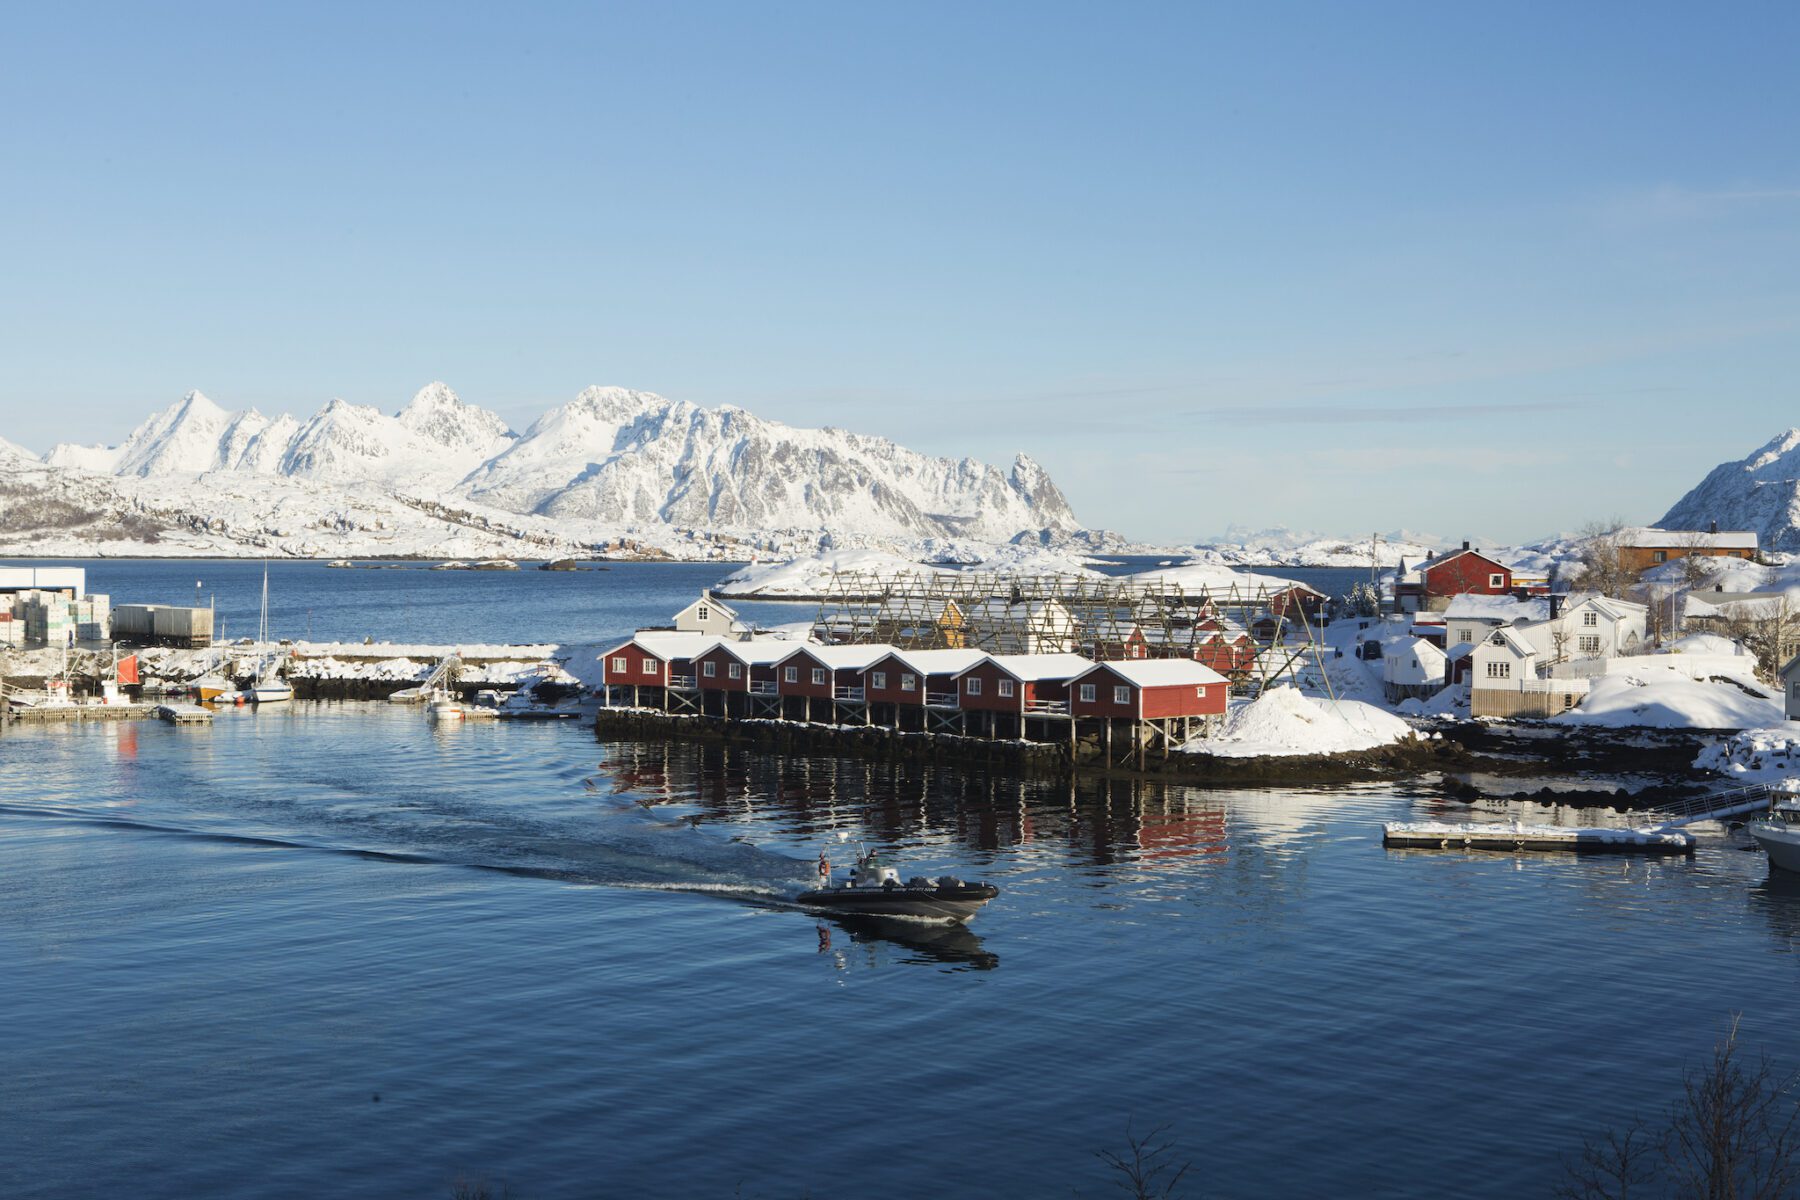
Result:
pixel 80 712
pixel 1498 835
pixel 184 714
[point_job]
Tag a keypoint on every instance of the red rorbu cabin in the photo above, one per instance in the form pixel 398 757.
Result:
pixel 1153 690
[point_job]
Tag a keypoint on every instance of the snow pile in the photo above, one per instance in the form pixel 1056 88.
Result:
pixel 1706 643
pixel 1756 755
pixel 1649 694
pixel 386 669
pixel 1283 722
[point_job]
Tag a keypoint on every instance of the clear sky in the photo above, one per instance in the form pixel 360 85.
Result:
pixel 1472 269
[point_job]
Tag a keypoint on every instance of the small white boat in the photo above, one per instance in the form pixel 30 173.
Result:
pixel 1778 833
pixel 269 687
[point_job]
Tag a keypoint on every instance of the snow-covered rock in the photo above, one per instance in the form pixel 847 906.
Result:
pixel 1755 755
pixel 1284 722
pixel 1283 547
pixel 1760 492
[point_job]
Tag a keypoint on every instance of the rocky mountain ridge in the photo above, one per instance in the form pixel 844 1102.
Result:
pixel 613 465
pixel 1759 492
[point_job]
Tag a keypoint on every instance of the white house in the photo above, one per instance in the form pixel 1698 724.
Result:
pixel 1592 627
pixel 1412 668
pixel 1022 627
pixel 1503 680
pixel 1790 687
pixel 706 615
pixel 1470 618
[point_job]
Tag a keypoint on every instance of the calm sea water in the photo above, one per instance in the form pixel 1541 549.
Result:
pixel 334 950
pixel 411 602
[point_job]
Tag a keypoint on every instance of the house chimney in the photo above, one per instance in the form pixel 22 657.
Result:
pixel 1465 545
pixel 1715 528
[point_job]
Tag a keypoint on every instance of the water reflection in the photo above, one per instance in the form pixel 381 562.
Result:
pixel 1777 898
pixel 977 814
pixel 956 947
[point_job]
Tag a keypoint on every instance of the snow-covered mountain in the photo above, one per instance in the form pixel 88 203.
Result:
pixel 614 465
pixel 634 457
pixel 1760 492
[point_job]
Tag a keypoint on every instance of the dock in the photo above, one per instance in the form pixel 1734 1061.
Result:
pixel 1513 836
pixel 45 713
pixel 184 714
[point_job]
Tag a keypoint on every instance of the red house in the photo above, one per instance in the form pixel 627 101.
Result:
pixel 1019 685
pixel 739 669
pixel 1460 573
pixel 902 683
pixel 1153 690
pixel 654 659
pixel 819 675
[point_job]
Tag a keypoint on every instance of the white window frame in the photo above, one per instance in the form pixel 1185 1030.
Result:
pixel 735 670
pixel 908 681
pixel 972 686
pixel 790 674
pixel 1590 619
pixel 649 666
pixel 878 679
pixel 1005 688
pixel 1496 579
pixel 709 668
pixel 703 613
pixel 1465 635
pixel 1088 692
pixel 1589 645
pixel 1499 670
pixel 1121 694
pixel 621 664
pixel 819 677
pixel 1200 691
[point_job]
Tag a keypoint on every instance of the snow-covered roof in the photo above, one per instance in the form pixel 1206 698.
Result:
pixel 1686 539
pixel 939 662
pixel 760 652
pixel 1159 672
pixel 1504 636
pixel 1618 610
pixel 1427 654
pixel 668 644
pixel 1028 668
pixel 1502 609
pixel 846 658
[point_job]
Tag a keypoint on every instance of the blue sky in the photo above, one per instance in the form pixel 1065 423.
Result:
pixel 1486 270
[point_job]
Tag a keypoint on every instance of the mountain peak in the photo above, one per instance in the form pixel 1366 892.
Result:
pixel 1759 492
pixel 438 413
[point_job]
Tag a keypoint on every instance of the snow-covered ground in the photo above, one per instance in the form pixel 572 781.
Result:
pixel 1283 722
pixel 1656 696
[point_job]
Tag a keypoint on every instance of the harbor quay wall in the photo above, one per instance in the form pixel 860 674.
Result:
pixel 1029 758
pixel 1415 759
